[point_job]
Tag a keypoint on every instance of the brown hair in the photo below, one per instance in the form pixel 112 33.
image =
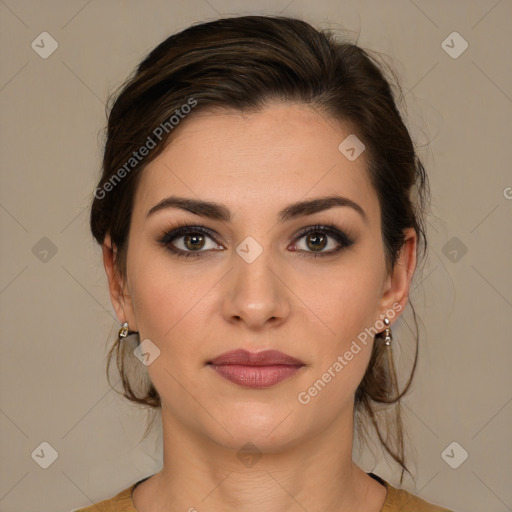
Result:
pixel 244 63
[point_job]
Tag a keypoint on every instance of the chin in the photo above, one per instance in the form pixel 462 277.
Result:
pixel 269 429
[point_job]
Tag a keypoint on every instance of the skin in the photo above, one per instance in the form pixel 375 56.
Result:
pixel 194 309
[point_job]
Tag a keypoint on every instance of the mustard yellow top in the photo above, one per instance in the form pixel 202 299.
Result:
pixel 397 500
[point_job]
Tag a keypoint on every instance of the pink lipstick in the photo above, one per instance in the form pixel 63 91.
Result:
pixel 255 370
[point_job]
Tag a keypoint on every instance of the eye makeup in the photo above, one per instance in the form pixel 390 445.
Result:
pixel 188 231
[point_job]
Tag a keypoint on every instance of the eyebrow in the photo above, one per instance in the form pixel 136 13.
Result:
pixel 218 211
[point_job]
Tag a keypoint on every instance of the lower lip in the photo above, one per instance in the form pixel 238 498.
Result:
pixel 256 376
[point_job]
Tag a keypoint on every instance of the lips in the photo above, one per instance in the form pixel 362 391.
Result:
pixel 265 358
pixel 255 370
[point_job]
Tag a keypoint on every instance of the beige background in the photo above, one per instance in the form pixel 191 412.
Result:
pixel 56 317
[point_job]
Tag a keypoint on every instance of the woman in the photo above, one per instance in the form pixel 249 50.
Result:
pixel 261 211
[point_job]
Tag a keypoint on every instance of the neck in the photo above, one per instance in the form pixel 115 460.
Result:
pixel 312 474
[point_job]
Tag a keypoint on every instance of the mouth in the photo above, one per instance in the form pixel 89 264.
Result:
pixel 256 370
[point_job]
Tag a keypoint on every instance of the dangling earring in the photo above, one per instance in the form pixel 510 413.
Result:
pixel 388 336
pixel 123 332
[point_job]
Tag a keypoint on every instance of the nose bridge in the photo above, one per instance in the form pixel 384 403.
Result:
pixel 256 294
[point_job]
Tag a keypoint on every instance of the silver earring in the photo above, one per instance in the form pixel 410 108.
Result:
pixel 388 336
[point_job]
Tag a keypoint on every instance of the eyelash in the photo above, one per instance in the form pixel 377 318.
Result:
pixel 344 240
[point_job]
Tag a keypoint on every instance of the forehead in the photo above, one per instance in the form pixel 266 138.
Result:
pixel 267 159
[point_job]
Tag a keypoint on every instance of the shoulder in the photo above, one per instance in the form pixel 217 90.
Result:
pixel 400 500
pixel 121 502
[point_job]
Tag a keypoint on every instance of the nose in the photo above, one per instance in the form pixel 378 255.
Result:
pixel 256 294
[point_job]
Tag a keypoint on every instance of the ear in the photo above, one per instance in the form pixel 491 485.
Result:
pixel 396 289
pixel 119 295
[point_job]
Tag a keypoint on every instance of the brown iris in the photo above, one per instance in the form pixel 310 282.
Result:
pixel 319 242
pixel 193 239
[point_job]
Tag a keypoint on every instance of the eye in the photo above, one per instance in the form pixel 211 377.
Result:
pixel 317 239
pixel 191 240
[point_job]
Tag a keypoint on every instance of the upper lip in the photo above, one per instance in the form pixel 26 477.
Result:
pixel 264 358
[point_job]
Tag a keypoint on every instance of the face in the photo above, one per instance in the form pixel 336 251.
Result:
pixel 256 281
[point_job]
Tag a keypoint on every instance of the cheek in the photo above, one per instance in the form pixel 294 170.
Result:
pixel 169 314
pixel 342 359
pixel 348 303
pixel 169 305
pixel 348 308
